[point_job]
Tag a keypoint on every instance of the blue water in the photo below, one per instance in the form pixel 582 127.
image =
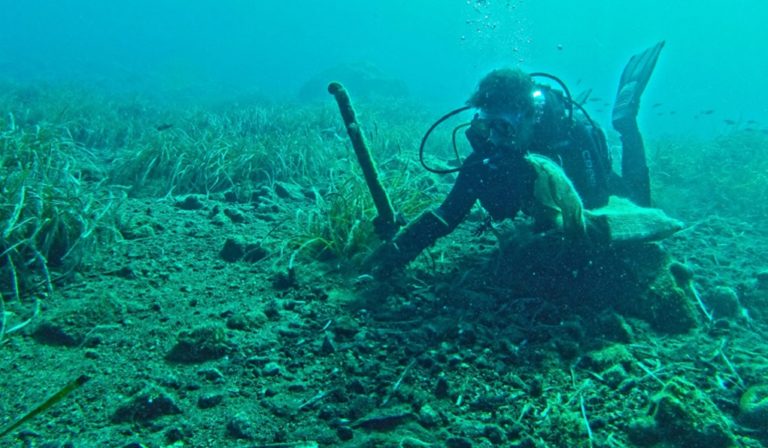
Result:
pixel 714 59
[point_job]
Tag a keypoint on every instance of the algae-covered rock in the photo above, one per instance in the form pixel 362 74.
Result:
pixel 671 309
pixel 755 301
pixel 612 326
pixel 149 404
pixel 644 432
pixel 608 258
pixel 724 302
pixel 664 305
pixel 199 345
pixel 685 416
pixel 753 407
pixel 610 356
pixel 631 278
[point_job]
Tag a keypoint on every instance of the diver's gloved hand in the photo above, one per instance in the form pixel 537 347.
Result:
pixel 409 243
pixel 478 135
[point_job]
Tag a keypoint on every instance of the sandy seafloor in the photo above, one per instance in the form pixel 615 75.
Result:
pixel 185 348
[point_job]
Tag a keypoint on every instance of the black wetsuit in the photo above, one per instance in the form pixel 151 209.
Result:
pixel 503 183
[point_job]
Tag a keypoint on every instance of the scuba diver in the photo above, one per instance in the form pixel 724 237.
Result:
pixel 528 137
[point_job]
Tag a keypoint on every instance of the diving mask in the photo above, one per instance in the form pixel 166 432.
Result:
pixel 501 129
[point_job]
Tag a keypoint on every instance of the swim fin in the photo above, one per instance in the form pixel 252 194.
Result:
pixel 634 78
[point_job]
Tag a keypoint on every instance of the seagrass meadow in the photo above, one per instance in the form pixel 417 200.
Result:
pixel 191 250
pixel 190 274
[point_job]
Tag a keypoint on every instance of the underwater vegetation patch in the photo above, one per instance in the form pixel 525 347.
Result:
pixel 53 209
pixel 729 174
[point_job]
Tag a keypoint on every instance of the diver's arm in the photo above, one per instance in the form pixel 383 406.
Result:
pixel 430 225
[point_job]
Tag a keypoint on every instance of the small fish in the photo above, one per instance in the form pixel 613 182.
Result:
pixel 729 122
pixel 707 112
pixel 163 127
pixel 655 105
pixel 583 97
pixel 751 121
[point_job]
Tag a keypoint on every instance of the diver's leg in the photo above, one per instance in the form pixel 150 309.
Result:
pixel 634 168
pixel 634 79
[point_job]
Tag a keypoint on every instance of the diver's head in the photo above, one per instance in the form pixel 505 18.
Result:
pixel 505 108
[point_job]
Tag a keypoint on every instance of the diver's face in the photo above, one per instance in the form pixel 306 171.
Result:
pixel 508 130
